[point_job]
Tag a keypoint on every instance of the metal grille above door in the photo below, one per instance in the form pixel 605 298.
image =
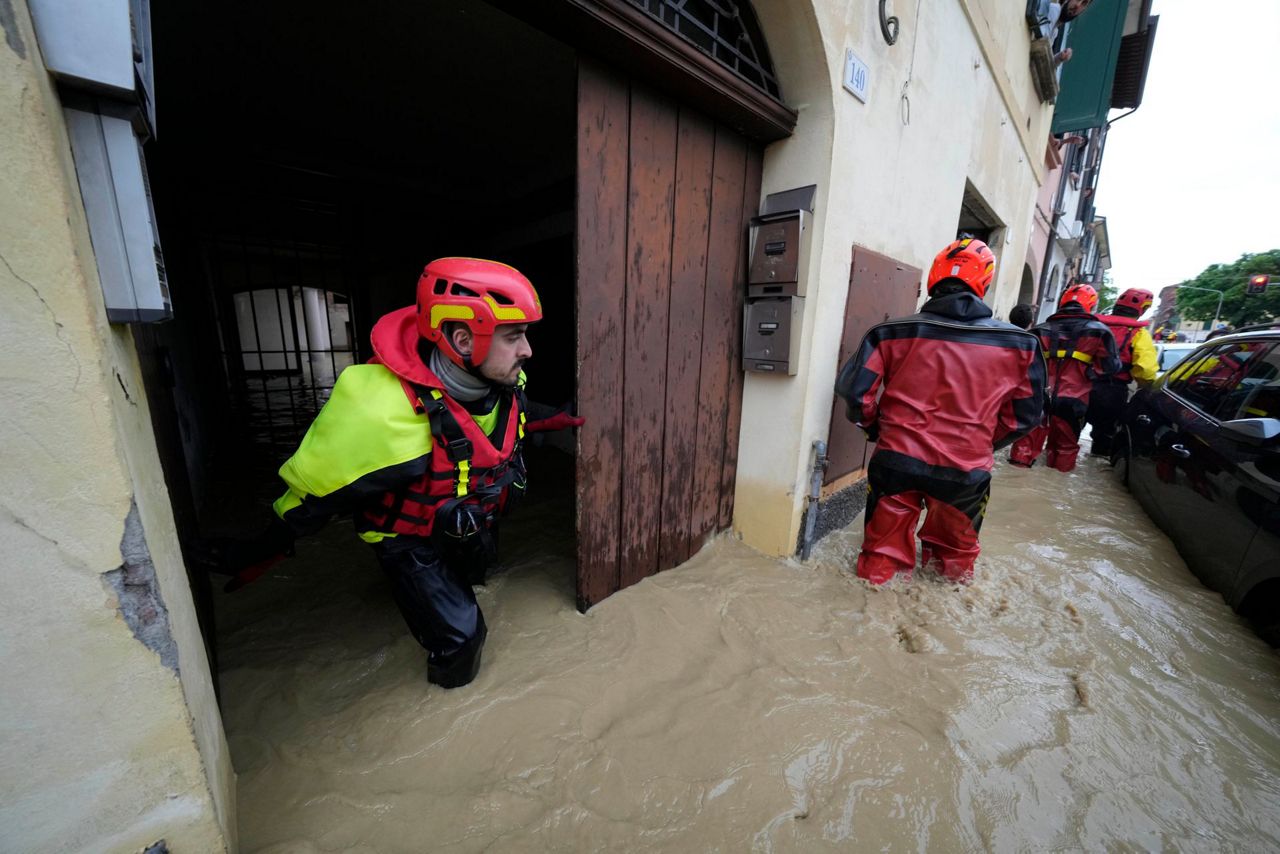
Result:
pixel 664 197
pixel 722 29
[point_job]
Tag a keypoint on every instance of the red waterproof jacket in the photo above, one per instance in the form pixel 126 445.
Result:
pixel 945 387
pixel 1080 348
pixel 1134 347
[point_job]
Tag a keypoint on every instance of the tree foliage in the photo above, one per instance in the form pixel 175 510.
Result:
pixel 1107 291
pixel 1238 307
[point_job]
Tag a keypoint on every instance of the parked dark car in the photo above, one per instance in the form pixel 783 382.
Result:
pixel 1200 449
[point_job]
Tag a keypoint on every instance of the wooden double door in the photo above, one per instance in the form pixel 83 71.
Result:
pixel 664 197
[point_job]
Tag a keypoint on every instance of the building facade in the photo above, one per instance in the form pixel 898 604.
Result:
pixel 1112 50
pixel 621 153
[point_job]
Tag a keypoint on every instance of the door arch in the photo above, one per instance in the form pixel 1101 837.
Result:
pixel 1027 290
pixel 711 56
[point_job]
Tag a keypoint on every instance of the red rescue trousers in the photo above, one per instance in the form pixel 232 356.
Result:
pixel 954 502
pixel 1061 431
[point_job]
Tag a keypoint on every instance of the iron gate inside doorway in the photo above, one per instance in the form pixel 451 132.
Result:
pixel 287 332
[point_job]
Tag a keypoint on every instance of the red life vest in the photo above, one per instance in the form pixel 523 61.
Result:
pixel 1123 328
pixel 467 466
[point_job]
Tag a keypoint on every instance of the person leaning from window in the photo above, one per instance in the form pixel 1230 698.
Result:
pixel 1137 352
pixel 939 392
pixel 423 447
pixel 1047 19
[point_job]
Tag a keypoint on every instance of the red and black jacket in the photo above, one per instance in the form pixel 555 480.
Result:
pixel 1080 349
pixel 1122 330
pixel 945 387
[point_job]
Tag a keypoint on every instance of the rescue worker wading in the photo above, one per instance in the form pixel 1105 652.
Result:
pixel 1137 353
pixel 939 392
pixel 1080 349
pixel 423 447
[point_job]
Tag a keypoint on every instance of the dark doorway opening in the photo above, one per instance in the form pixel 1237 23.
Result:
pixel 308 163
pixel 1027 289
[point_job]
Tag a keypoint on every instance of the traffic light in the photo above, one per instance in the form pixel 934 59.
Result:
pixel 1258 284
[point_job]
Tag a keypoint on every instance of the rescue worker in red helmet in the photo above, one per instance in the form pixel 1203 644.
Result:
pixel 1080 348
pixel 423 446
pixel 1137 352
pixel 939 392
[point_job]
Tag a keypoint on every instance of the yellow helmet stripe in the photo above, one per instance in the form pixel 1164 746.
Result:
pixel 441 313
pixel 504 312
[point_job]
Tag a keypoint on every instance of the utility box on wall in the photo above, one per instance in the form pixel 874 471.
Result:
pixel 117 203
pixel 100 53
pixel 771 337
pixel 100 46
pixel 776 279
pixel 775 254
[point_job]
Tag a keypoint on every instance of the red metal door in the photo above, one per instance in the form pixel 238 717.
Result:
pixel 664 196
pixel 879 288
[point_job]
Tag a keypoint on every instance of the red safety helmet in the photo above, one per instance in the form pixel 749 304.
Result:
pixel 969 260
pixel 1083 295
pixel 481 294
pixel 1136 299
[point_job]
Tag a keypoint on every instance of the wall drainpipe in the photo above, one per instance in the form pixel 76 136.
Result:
pixel 815 492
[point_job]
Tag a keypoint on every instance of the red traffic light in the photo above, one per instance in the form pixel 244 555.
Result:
pixel 1258 284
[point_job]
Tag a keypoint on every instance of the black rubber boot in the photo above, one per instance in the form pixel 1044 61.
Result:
pixel 459 667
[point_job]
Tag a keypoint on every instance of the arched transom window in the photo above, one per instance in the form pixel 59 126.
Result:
pixel 723 29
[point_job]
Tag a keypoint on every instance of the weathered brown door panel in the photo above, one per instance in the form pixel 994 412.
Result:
pixel 649 214
pixel 663 199
pixel 733 419
pixel 603 131
pixel 879 288
pixel 719 324
pixel 684 348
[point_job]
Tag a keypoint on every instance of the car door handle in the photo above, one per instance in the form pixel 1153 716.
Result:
pixel 1143 420
pixel 1180 450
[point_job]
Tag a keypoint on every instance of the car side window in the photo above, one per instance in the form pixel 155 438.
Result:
pixel 1258 395
pixel 1214 380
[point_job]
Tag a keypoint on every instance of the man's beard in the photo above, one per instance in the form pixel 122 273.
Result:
pixel 514 375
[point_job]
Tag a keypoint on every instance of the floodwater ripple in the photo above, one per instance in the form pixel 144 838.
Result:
pixel 1085 692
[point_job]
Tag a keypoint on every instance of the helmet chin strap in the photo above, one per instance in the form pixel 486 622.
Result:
pixel 467 364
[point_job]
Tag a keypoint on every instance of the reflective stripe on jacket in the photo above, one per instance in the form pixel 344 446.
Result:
pixel 467 465
pixel 370 449
pixel 1080 348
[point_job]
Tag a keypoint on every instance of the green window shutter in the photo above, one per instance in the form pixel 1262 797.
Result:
pixel 1087 79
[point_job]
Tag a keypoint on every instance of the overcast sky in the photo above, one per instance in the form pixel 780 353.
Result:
pixel 1193 177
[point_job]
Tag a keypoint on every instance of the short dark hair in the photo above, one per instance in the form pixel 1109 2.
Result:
pixel 949 286
pixel 1022 315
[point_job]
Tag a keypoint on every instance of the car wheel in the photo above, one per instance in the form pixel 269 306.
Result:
pixel 1122 458
pixel 1269 632
pixel 1262 608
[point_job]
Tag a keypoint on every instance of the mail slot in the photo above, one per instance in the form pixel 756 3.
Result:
pixel 771 334
pixel 776 248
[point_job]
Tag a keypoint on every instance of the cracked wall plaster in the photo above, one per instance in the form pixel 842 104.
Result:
pixel 9 24
pixel 135 587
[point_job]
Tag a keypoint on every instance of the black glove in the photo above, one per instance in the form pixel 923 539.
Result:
pixel 246 558
pixel 872 430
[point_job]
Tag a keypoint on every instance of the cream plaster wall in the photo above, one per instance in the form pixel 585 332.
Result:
pixel 104 746
pixel 890 185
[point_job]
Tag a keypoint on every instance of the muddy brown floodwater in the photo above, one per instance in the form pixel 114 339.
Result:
pixel 1085 692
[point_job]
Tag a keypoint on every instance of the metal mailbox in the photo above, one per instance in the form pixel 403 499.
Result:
pixel 771 335
pixel 776 254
